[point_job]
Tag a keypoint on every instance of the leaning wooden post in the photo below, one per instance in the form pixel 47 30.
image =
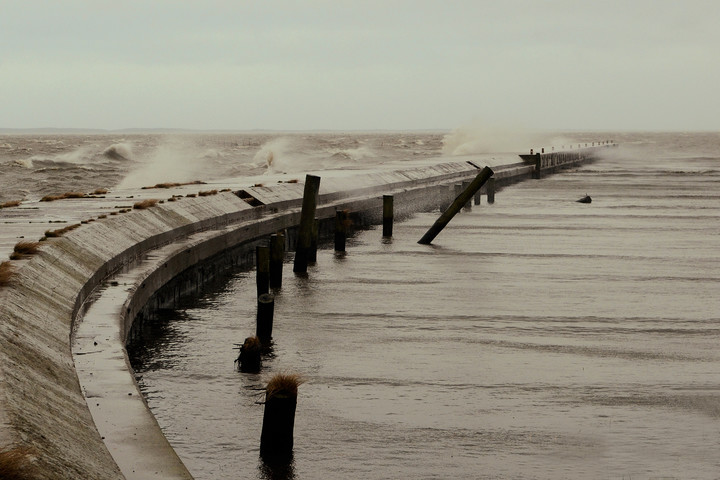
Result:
pixel 388 215
pixel 262 260
pixel 490 188
pixel 265 314
pixel 276 439
pixel 457 204
pixel 307 219
pixel 340 230
pixel 277 255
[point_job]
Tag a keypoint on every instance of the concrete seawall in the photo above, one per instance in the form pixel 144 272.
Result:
pixel 81 416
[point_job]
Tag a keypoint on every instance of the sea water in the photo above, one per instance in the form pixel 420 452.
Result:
pixel 535 338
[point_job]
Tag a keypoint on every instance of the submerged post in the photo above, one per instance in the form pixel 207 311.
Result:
pixel 249 359
pixel 307 219
pixel 455 207
pixel 277 255
pixel 276 439
pixel 490 188
pixel 388 215
pixel 265 314
pixel 340 230
pixel 262 260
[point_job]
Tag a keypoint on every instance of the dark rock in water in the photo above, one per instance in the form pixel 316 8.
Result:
pixel 585 199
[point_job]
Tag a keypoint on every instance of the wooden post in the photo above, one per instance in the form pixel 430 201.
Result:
pixel 307 219
pixel 455 207
pixel 538 166
pixel 340 230
pixel 468 206
pixel 262 261
pixel 388 215
pixel 276 439
pixel 478 196
pixel 265 314
pixel 312 252
pixel 490 188
pixel 277 255
pixel 249 358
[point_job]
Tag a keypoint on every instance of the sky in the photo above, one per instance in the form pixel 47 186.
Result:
pixel 360 65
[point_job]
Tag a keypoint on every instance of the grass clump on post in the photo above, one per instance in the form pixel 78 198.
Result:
pixel 276 439
pixel 15 464
pixel 145 204
pixel 7 272
pixel 249 358
pixel 24 249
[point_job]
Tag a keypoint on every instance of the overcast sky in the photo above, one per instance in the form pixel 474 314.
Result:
pixel 347 65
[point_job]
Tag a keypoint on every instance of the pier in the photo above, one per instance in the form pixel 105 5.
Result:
pixel 68 310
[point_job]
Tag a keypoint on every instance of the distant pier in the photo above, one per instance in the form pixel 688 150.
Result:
pixel 100 262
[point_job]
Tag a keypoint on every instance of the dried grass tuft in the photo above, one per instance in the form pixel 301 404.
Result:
pixel 191 195
pixel 12 203
pixel 283 384
pixel 174 184
pixel 52 198
pixel 207 193
pixel 15 464
pixel 144 204
pixel 100 217
pixel 24 249
pixel 7 272
pixel 100 191
pixel 61 231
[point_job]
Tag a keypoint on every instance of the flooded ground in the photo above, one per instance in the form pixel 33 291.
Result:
pixel 536 338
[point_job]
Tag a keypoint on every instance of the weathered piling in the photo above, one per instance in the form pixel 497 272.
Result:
pixel 477 197
pixel 341 217
pixel 307 221
pixel 277 255
pixel 388 215
pixel 468 206
pixel 312 251
pixel 457 204
pixel 490 189
pixel 538 166
pixel 262 261
pixel 249 359
pixel 276 439
pixel 265 314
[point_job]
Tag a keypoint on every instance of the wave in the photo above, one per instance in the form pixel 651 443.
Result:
pixel 119 151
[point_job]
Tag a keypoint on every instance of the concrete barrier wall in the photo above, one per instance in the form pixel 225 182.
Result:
pixel 41 402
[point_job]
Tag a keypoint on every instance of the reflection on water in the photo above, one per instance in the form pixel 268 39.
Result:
pixel 537 338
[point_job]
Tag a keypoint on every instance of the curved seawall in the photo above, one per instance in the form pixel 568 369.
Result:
pixel 97 278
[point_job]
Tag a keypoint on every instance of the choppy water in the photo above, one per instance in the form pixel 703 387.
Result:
pixel 537 338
